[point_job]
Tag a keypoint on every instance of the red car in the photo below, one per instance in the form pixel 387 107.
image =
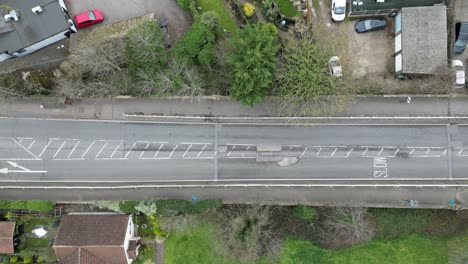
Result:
pixel 89 18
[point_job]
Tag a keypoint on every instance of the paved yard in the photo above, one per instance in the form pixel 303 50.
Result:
pixel 461 14
pixel 370 53
pixel 119 10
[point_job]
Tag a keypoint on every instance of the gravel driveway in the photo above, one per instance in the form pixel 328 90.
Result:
pixel 119 10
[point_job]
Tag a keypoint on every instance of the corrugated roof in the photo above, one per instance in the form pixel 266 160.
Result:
pixel 424 39
pixel 30 28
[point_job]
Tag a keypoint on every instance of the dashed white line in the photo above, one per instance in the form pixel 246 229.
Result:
pixel 172 152
pixel 59 149
pixel 115 150
pixel 86 151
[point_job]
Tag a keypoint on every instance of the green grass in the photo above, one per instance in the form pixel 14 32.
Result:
pixel 217 7
pixel 287 8
pixel 197 244
pixel 412 249
pixel 33 242
pixel 394 223
pixel 30 225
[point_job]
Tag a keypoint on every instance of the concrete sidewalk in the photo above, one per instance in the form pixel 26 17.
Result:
pixel 119 108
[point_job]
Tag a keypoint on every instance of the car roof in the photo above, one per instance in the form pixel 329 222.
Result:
pixel 340 2
pixel 82 17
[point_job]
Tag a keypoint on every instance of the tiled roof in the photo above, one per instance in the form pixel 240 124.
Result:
pixel 7 230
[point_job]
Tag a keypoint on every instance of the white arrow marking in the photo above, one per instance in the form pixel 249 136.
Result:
pixel 16 165
pixel 4 171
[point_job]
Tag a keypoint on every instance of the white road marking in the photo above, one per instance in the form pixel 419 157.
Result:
pixel 229 153
pixel 130 150
pixel 318 152
pixel 349 152
pixel 115 150
pixel 44 149
pixel 76 145
pixel 444 153
pixel 143 152
pixel 21 140
pixel 59 149
pixel 185 153
pixel 303 152
pixel 27 150
pixel 89 147
pixel 103 147
pixel 365 151
pixel 396 151
pixel 460 152
pixel 32 143
pixel 157 152
pixel 199 153
pixel 333 153
pixel 172 152
pixel 380 152
pixel 412 151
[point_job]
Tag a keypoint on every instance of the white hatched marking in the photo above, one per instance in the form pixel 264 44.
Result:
pixel 204 147
pixel 103 147
pixel 27 150
pixel 59 149
pixel 333 153
pixel 143 152
pixel 69 155
pixel 248 147
pixel 157 152
pixel 89 147
pixel 349 152
pixel 229 153
pixel 172 152
pixel 318 152
pixel 185 153
pixel 365 151
pixel 32 143
pixel 412 151
pixel 396 151
pixel 44 149
pixel 130 150
pixel 115 150
pixel 303 152
pixel 380 152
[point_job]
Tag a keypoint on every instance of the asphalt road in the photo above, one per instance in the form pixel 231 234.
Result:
pixel 114 151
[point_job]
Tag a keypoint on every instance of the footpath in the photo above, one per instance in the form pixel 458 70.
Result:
pixel 128 108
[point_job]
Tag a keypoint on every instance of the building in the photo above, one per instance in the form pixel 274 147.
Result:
pixel 421 40
pixel 359 8
pixel 96 238
pixel 7 231
pixel 27 26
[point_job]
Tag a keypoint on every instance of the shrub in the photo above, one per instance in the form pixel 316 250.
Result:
pixel 18 205
pixel 40 260
pixel 4 204
pixel 272 14
pixel 147 208
pixel 28 260
pixel 196 43
pixel 37 205
pixel 158 232
pixel 254 65
pixel 211 20
pixel 271 28
pixel 248 9
pixel 304 212
pixel 14 259
pixel 111 205
pixel 184 4
pixel 128 207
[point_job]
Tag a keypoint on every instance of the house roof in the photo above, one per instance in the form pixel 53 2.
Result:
pixel 82 256
pixel 7 230
pixel 424 39
pixel 30 28
pixel 92 230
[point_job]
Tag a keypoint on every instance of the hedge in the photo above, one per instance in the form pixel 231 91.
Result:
pixel 32 205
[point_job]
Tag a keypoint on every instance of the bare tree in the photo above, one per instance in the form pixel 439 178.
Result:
pixel 343 226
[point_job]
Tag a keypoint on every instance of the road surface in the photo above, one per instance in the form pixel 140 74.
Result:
pixel 113 151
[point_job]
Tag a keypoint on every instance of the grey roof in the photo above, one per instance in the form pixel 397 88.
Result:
pixel 30 28
pixel 424 39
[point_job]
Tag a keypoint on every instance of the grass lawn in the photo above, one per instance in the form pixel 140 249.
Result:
pixel 217 7
pixel 144 232
pixel 197 244
pixel 30 225
pixel 413 249
pixel 287 8
pixel 33 242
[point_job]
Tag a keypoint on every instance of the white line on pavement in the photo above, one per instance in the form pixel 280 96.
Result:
pixel 115 150
pixel 27 150
pixel 89 147
pixel 59 149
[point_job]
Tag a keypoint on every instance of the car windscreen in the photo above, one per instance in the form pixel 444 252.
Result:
pixel 91 15
pixel 339 10
pixel 368 24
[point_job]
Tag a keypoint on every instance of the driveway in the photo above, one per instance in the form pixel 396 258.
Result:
pixel 461 14
pixel 370 53
pixel 120 10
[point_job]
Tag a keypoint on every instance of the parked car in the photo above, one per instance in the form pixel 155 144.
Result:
pixel 461 37
pixel 457 65
pixel 89 18
pixel 370 24
pixel 338 10
pixel 334 65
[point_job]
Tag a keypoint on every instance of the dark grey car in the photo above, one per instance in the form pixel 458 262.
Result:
pixel 370 24
pixel 461 37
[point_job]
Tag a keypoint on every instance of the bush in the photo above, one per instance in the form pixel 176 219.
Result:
pixel 169 207
pixel 111 205
pixel 211 20
pixel 128 207
pixel 20 205
pixel 271 28
pixel 14 259
pixel 147 208
pixel 28 260
pixel 304 212
pixel 197 44
pixel 254 65
pixel 184 4
pixel 248 9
